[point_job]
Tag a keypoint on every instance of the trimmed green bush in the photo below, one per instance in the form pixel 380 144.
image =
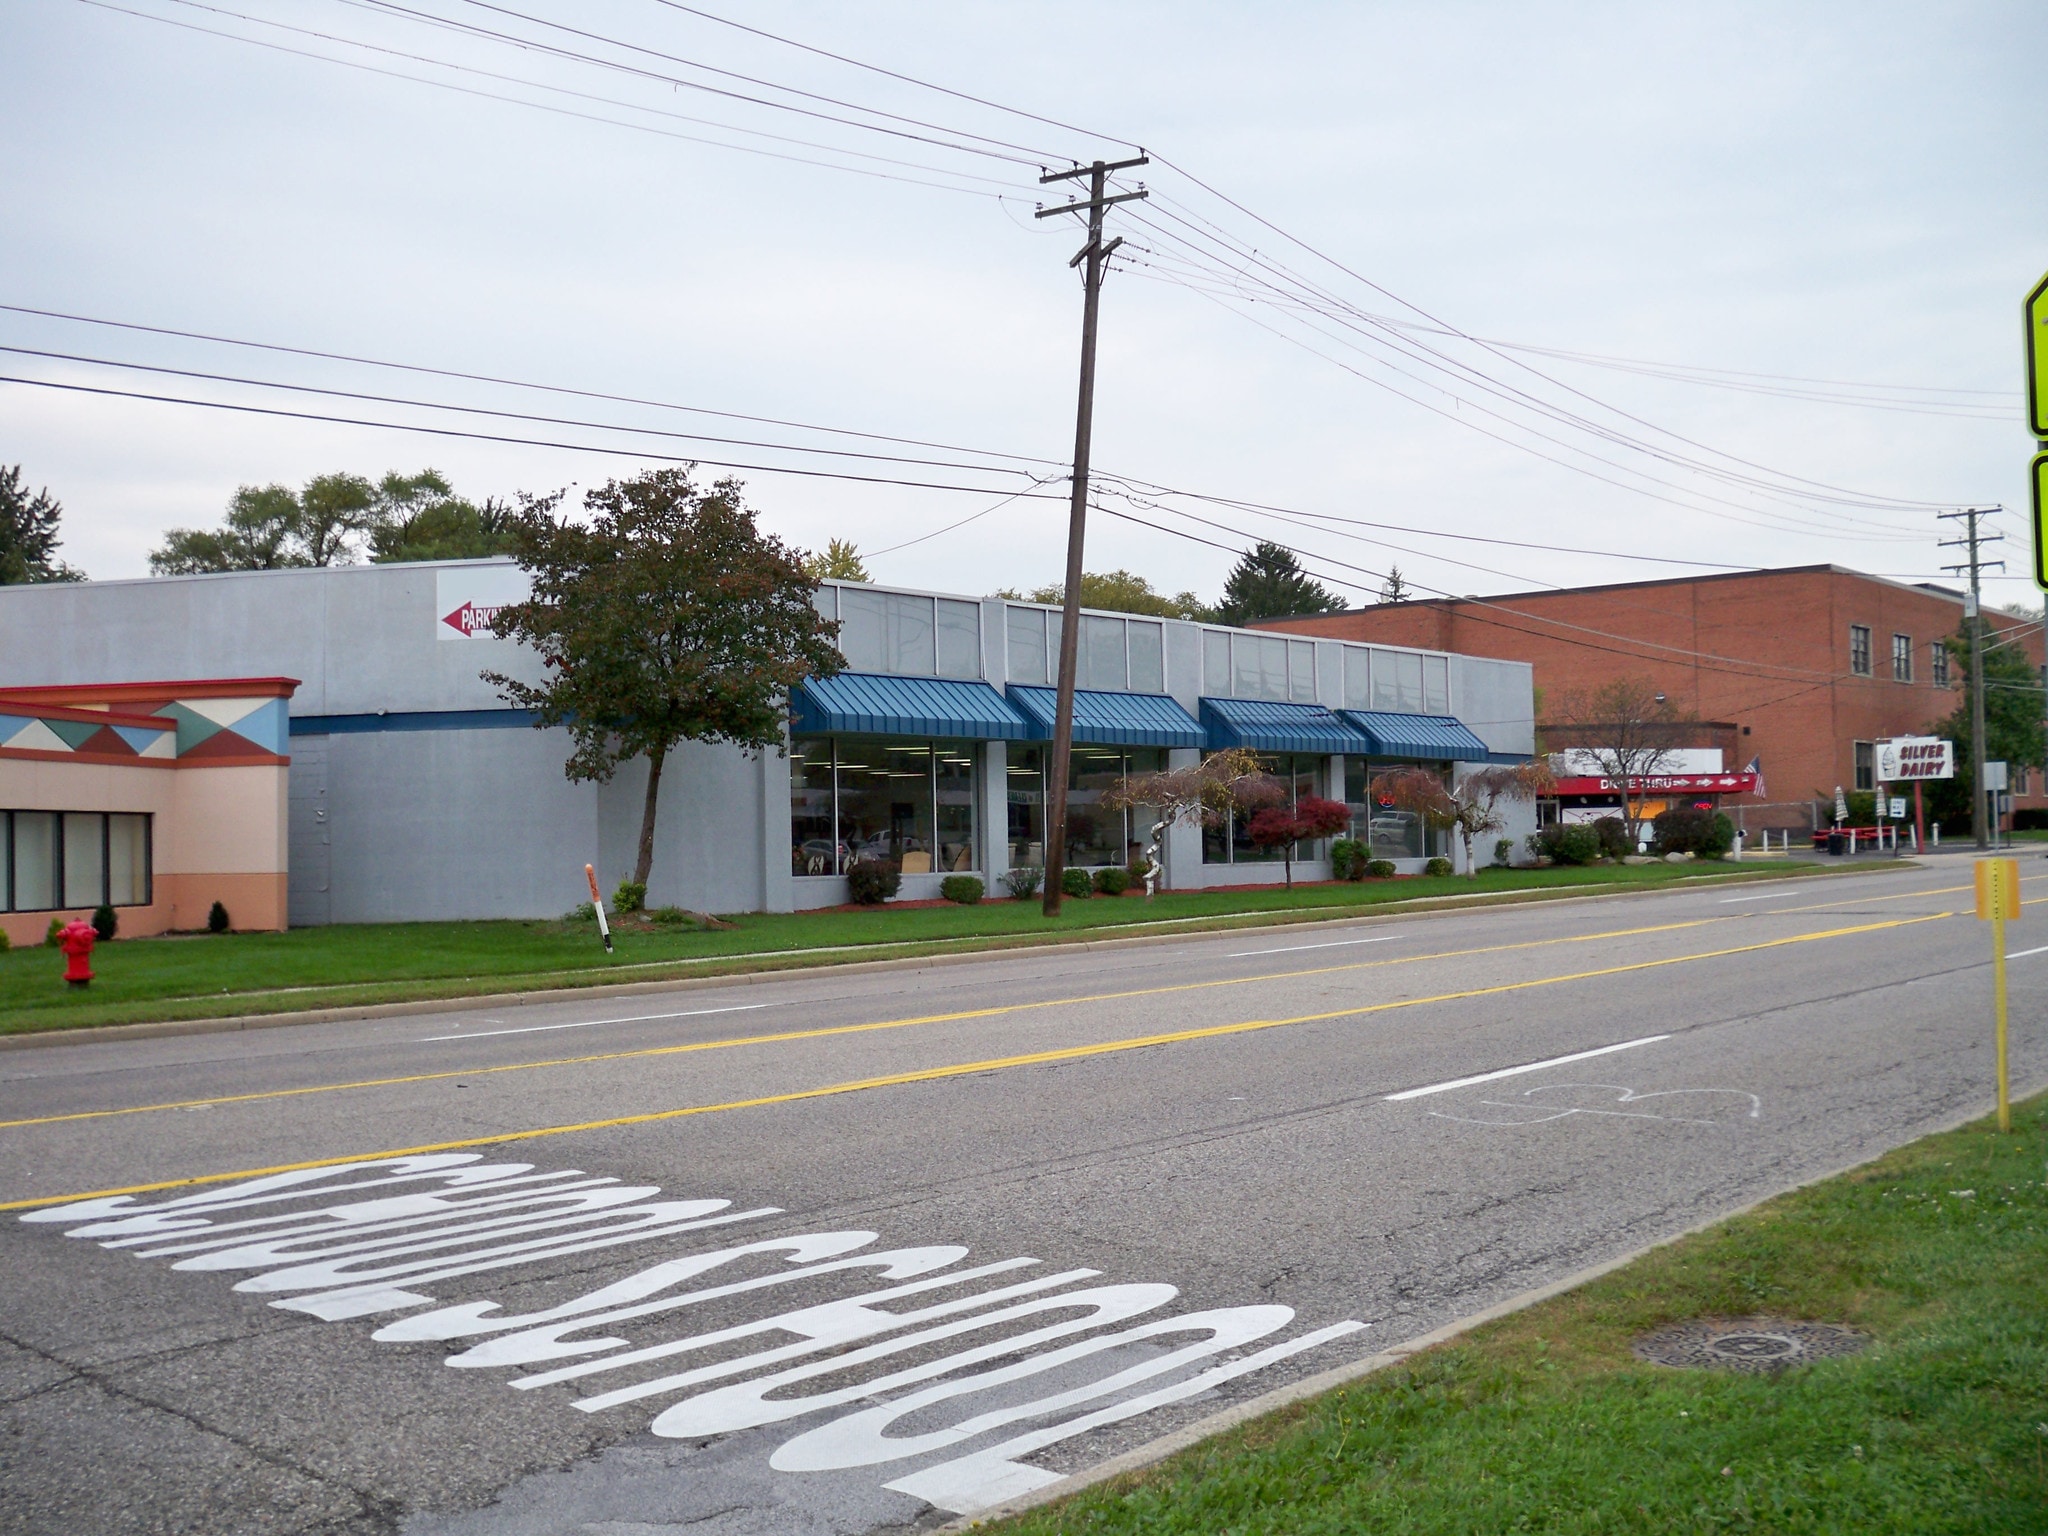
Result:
pixel 5 943
pixel 1439 867
pixel 54 932
pixel 1562 843
pixel 671 917
pixel 1348 858
pixel 964 889
pixel 1075 882
pixel 1023 880
pixel 217 918
pixel 631 896
pixel 1683 829
pixel 1112 881
pixel 870 882
pixel 1615 843
pixel 1504 851
pixel 104 923
pixel 1380 869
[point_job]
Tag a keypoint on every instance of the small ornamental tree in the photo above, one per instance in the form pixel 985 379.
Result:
pixel 1475 807
pixel 1203 795
pixel 666 617
pixel 1312 817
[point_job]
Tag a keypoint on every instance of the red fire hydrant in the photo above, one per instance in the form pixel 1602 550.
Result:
pixel 76 939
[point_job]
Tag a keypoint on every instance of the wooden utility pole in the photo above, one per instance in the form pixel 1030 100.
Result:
pixel 1973 619
pixel 1093 259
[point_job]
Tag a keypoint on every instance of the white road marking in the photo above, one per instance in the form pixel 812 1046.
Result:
pixel 1534 1066
pixel 1288 949
pixel 356 1240
pixel 638 1018
pixel 2021 954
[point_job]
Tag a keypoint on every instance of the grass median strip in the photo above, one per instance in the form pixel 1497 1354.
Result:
pixel 356 965
pixel 1546 1420
pixel 972 1068
pixel 827 1031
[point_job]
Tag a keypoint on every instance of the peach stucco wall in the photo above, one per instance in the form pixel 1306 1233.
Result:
pixel 219 835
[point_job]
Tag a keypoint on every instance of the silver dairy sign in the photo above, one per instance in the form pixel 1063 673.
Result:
pixel 1915 757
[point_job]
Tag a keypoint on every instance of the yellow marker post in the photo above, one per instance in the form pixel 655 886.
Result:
pixel 1998 897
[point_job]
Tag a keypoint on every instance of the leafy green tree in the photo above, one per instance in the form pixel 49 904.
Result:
pixel 1395 588
pixel 837 561
pixel 272 527
pixel 419 517
pixel 1120 592
pixel 28 533
pixel 667 617
pixel 1268 583
pixel 2013 731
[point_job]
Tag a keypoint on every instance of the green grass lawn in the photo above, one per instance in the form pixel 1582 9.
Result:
pixel 1545 1421
pixel 203 976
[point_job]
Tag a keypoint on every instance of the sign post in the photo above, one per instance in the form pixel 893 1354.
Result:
pixel 1914 760
pixel 1998 898
pixel 2034 318
pixel 604 928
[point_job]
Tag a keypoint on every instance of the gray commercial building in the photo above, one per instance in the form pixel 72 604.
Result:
pixel 415 792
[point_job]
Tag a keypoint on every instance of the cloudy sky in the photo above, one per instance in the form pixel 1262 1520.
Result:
pixel 1807 229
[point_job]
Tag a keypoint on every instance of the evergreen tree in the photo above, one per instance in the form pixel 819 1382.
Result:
pixel 1269 583
pixel 839 560
pixel 28 533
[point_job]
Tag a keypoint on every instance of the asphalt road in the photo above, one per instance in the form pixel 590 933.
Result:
pixel 843 1253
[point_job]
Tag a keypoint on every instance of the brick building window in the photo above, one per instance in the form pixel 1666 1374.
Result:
pixel 1866 764
pixel 1902 658
pixel 1859 649
pixel 1937 657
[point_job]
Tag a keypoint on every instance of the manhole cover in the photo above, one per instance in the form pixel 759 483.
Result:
pixel 1755 1344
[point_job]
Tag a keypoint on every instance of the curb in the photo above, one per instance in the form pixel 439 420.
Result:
pixel 1155 1451
pixel 1417 906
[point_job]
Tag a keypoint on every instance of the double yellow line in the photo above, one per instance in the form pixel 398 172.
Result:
pixel 992 1064
pixel 827 1031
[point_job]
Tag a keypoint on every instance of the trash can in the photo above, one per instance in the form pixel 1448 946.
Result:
pixel 1838 844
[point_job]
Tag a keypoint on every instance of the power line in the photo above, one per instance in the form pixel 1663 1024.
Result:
pixel 478 410
pixel 541 106
pixel 510 383
pixel 496 437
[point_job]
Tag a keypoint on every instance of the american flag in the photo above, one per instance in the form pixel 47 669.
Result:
pixel 1756 766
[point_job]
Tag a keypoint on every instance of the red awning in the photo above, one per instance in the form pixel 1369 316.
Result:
pixel 1664 784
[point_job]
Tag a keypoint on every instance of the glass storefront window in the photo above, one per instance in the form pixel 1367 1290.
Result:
pixel 1095 837
pixel 1027 807
pixel 953 800
pixel 128 874
pixel 85 867
pixel 51 860
pixel 1390 833
pixel 813 846
pixel 909 802
pixel 35 860
pixel 1230 842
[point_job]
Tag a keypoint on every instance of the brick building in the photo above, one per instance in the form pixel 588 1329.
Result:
pixel 1803 667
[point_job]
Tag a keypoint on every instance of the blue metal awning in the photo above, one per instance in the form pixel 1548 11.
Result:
pixel 1111 719
pixel 870 704
pixel 1427 738
pixel 1268 727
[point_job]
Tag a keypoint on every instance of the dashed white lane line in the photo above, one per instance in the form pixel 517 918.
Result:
pixel 639 1018
pixel 2021 954
pixel 1534 1066
pixel 1288 949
